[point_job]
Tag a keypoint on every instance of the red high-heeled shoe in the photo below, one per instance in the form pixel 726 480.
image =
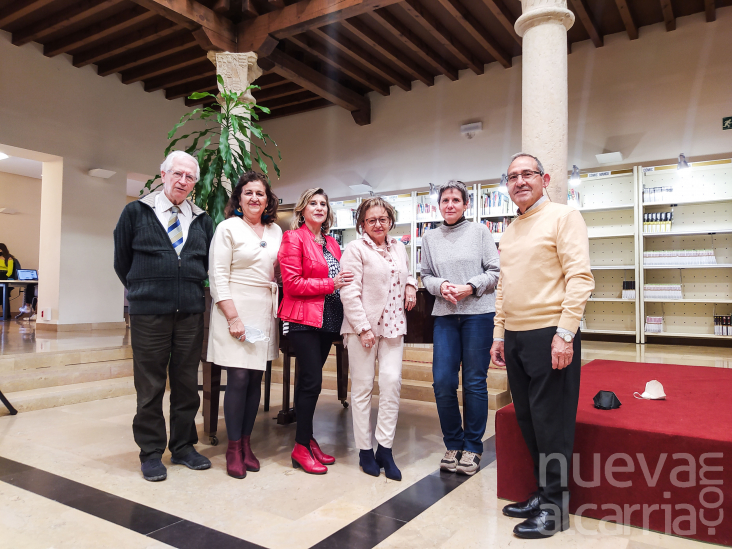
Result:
pixel 301 457
pixel 250 460
pixel 322 457
pixel 234 460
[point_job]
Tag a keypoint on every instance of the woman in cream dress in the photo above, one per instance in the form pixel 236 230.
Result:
pixel 243 333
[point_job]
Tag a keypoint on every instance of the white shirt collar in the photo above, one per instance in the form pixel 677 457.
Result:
pixel 390 240
pixel 163 204
pixel 536 204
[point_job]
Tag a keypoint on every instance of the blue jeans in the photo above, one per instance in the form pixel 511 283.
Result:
pixel 466 339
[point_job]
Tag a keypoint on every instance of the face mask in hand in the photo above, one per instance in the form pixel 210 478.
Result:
pixel 654 391
pixel 254 334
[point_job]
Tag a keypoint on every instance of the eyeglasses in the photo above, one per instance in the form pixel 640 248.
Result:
pixel 383 221
pixel 177 176
pixel 526 174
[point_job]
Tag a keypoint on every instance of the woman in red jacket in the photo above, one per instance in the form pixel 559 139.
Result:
pixel 312 312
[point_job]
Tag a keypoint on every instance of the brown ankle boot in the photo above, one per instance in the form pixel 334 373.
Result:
pixel 235 460
pixel 250 460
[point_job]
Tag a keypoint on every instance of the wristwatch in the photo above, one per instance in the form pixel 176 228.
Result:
pixel 475 290
pixel 566 337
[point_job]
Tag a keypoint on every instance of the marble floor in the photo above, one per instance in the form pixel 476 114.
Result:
pixel 20 336
pixel 72 451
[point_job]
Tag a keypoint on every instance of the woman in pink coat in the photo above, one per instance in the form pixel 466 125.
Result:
pixel 374 324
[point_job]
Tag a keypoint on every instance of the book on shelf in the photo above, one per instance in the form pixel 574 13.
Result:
pixel 659 194
pixel 723 325
pixel 574 198
pixel 658 222
pixel 498 226
pixel 497 203
pixel 654 324
pixel 663 291
pixel 628 289
pixel 679 257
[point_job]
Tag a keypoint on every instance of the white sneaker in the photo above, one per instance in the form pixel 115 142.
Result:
pixel 32 317
pixel 469 463
pixel 25 309
pixel 450 461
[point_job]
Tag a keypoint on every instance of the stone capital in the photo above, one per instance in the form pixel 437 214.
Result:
pixel 238 70
pixel 539 12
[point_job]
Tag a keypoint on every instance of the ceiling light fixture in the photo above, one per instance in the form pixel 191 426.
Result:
pixel 609 158
pixel 3 156
pixel 575 177
pixel 433 192
pixel 683 164
pixel 362 188
pixel 103 174
pixel 503 186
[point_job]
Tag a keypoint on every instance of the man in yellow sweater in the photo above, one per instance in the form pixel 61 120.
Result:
pixel 544 285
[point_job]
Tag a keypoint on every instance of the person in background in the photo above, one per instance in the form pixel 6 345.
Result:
pixel 544 285
pixel 161 247
pixel 460 268
pixel 8 268
pixel 243 258
pixel 374 324
pixel 311 308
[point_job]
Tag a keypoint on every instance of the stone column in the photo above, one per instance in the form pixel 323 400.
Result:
pixel 543 27
pixel 239 71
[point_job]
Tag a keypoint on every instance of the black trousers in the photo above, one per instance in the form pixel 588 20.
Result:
pixel 546 405
pixel 165 345
pixel 311 350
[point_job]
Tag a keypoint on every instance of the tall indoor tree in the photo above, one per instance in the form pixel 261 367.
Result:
pixel 228 144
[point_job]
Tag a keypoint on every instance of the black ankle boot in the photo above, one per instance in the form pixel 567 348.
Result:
pixel 368 463
pixel 386 460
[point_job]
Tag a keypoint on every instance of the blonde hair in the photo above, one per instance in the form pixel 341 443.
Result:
pixel 375 202
pixel 302 203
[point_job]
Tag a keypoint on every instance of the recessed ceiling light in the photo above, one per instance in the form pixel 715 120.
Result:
pixel 3 156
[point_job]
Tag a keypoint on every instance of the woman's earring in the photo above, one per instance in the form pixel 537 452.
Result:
pixel 302 219
pixel 238 212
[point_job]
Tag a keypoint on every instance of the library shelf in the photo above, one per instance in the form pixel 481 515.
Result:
pixel 711 301
pixel 688 202
pixel 485 216
pixel 611 235
pixel 715 266
pixel 612 267
pixel 609 332
pixel 704 335
pixel 607 208
pixel 690 233
pixel 613 299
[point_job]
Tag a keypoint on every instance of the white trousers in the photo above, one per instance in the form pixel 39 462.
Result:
pixel 389 352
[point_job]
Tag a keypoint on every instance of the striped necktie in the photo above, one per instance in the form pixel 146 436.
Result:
pixel 175 232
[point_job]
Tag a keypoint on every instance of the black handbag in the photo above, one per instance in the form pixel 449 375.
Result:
pixel 606 400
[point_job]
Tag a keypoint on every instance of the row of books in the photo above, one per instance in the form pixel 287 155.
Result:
pixel 654 324
pixel 659 194
pixel 658 222
pixel 496 203
pixel 679 257
pixel 422 228
pixel 628 289
pixel 662 291
pixel 574 198
pixel 497 226
pixel 723 325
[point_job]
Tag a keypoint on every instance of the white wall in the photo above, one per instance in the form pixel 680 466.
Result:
pixel 650 98
pixel 20 232
pixel 50 106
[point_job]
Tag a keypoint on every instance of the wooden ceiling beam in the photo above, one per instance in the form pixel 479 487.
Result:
pixel 248 9
pixel 207 84
pixel 192 15
pixel 339 61
pixel 295 99
pixel 300 17
pixel 711 10
pixel 627 18
pixel 57 21
pixel 385 48
pixel 475 29
pixel 668 15
pixel 124 43
pixel 319 84
pixel 19 9
pixel 97 31
pixel 414 42
pixel 331 36
pixel 182 76
pixel 296 109
pixel 270 80
pixel 432 25
pixel 145 55
pixel 161 66
pixel 504 16
pixel 276 92
pixel 583 13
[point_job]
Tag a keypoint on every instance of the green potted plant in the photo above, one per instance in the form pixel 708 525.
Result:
pixel 233 122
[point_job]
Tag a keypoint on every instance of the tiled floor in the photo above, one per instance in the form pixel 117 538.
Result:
pixel 17 337
pixel 278 507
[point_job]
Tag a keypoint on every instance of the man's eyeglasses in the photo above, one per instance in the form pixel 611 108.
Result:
pixel 526 174
pixel 177 176
pixel 383 221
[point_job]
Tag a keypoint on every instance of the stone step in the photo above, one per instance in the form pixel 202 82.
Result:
pixel 51 397
pixel 51 359
pixel 38 378
pixel 411 389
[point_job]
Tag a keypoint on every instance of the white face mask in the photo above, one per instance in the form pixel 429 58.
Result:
pixel 254 334
pixel 654 391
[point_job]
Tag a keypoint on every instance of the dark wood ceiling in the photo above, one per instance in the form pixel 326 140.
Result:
pixel 316 53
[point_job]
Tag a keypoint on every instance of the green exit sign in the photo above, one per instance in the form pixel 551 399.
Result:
pixel 727 123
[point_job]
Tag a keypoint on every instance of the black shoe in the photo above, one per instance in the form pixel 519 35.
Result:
pixel 154 470
pixel 193 460
pixel 385 459
pixel 525 509
pixel 543 525
pixel 368 463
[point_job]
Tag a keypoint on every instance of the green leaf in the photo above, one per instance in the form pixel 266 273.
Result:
pixel 201 95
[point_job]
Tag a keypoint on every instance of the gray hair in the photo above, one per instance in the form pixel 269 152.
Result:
pixel 454 184
pixel 538 162
pixel 168 162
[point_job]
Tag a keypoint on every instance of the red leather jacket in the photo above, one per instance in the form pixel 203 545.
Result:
pixel 305 281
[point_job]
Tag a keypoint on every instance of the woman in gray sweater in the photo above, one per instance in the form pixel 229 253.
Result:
pixel 460 268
